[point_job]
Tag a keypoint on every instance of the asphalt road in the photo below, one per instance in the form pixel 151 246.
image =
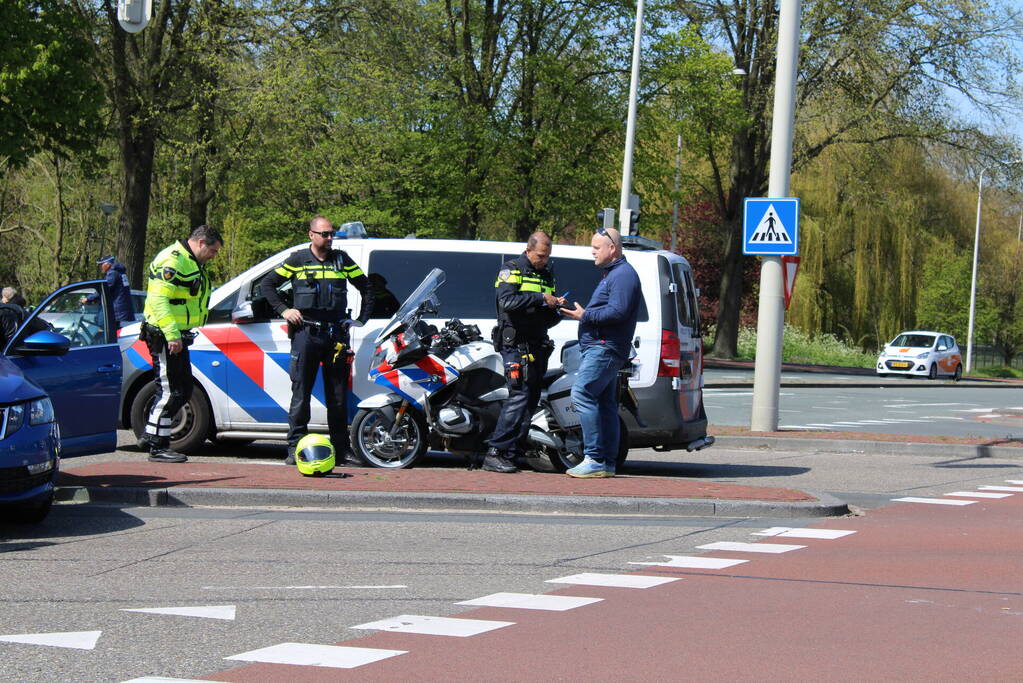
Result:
pixel 311 576
pixel 888 407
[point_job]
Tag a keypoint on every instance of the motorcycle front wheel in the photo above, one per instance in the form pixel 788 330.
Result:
pixel 380 445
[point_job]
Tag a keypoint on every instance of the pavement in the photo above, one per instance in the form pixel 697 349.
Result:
pixel 128 478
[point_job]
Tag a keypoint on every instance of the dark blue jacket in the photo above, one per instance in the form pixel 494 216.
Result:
pixel 610 317
pixel 120 293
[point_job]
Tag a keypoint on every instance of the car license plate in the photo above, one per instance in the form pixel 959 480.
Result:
pixel 900 364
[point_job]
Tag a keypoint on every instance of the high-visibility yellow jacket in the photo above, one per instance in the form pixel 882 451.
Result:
pixel 178 295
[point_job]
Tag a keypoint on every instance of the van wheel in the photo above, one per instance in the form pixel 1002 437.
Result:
pixel 958 374
pixel 189 427
pixel 933 372
pixel 374 442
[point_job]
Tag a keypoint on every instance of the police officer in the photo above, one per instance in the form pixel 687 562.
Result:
pixel 177 300
pixel 115 279
pixel 526 308
pixel 319 277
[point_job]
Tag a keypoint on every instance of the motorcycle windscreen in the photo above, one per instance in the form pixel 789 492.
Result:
pixel 408 310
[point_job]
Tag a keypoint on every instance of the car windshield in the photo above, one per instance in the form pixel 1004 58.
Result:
pixel 423 293
pixel 914 341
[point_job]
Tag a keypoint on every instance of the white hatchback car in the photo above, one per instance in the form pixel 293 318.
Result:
pixel 932 354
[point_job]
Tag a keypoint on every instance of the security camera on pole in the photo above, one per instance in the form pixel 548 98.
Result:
pixel 771 314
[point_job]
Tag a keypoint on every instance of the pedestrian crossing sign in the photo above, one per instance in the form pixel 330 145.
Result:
pixel 770 226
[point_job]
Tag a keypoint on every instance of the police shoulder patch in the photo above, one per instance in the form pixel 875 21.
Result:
pixel 175 253
pixel 169 273
pixel 504 275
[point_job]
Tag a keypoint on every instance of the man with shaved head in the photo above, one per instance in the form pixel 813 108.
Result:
pixel 606 328
pixel 526 309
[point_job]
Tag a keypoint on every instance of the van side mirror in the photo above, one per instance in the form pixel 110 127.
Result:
pixel 243 313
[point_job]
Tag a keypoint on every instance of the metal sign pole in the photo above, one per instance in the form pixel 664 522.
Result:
pixel 771 313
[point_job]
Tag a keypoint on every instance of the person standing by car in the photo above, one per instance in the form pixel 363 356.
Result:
pixel 115 279
pixel 526 309
pixel 319 279
pixel 606 327
pixel 177 300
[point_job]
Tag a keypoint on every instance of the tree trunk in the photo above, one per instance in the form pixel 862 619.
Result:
pixel 137 155
pixel 726 335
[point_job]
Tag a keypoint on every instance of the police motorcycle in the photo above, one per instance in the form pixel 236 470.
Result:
pixel 445 388
pixel 555 439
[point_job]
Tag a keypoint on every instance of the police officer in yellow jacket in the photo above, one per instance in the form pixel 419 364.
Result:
pixel 319 277
pixel 526 308
pixel 177 300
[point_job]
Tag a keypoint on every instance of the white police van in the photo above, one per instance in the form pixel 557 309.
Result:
pixel 240 357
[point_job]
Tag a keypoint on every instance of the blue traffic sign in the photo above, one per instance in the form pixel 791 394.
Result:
pixel 770 226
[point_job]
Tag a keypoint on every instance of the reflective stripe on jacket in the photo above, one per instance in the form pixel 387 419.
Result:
pixel 520 304
pixel 178 294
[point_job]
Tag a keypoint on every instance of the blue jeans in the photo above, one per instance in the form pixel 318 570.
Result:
pixel 593 395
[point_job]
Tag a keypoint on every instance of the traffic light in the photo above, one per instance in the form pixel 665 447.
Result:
pixel 606 218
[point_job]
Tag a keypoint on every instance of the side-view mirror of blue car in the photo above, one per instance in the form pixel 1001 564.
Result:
pixel 44 343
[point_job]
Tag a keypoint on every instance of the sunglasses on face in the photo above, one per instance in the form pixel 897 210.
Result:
pixel 325 233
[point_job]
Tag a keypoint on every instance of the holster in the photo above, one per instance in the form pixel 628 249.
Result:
pixel 153 337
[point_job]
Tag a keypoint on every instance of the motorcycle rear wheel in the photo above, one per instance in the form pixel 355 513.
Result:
pixel 374 443
pixel 563 460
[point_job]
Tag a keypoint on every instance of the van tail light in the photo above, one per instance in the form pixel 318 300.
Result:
pixel 671 350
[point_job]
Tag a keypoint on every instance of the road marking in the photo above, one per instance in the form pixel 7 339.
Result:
pixel 918 405
pixel 941 417
pixel 732 546
pixel 306 654
pixel 978 494
pixel 1014 489
pixel 1014 481
pixel 552 603
pixel 804 427
pixel 848 423
pixel 716 393
pixel 435 626
pixel 79 640
pixel 208 612
pixel 613 580
pixel 973 410
pixel 291 588
pixel 821 424
pixel 933 501
pixel 691 562
pixel 790 532
pixel 164 679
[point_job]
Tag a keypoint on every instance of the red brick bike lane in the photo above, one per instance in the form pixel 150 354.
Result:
pixel 919 592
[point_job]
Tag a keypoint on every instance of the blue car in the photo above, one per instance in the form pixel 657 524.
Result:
pixel 60 383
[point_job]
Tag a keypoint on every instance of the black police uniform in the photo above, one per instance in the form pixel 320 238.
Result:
pixel 521 336
pixel 320 293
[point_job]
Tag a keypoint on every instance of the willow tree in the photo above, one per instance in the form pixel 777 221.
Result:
pixel 868 72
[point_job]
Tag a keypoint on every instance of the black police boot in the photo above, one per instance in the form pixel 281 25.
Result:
pixel 147 442
pixel 290 460
pixel 160 451
pixel 497 461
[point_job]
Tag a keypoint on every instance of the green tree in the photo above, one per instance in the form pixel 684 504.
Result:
pixel 868 72
pixel 49 96
pixel 943 303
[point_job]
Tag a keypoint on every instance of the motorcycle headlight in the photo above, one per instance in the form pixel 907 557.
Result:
pixel 15 418
pixel 40 411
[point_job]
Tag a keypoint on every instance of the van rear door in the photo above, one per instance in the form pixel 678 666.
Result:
pixel 690 342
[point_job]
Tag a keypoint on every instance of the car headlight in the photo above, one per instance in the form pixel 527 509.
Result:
pixel 40 411
pixel 925 354
pixel 40 467
pixel 15 418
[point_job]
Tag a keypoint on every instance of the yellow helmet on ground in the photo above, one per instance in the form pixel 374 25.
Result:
pixel 314 455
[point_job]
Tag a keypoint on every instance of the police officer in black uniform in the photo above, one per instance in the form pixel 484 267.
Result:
pixel 526 308
pixel 319 277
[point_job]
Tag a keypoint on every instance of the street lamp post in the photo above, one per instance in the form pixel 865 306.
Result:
pixel 973 277
pixel 624 214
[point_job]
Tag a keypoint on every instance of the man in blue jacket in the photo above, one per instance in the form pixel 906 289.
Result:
pixel 606 328
pixel 115 280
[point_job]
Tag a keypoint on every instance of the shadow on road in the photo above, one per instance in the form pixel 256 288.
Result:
pixel 63 522
pixel 652 468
